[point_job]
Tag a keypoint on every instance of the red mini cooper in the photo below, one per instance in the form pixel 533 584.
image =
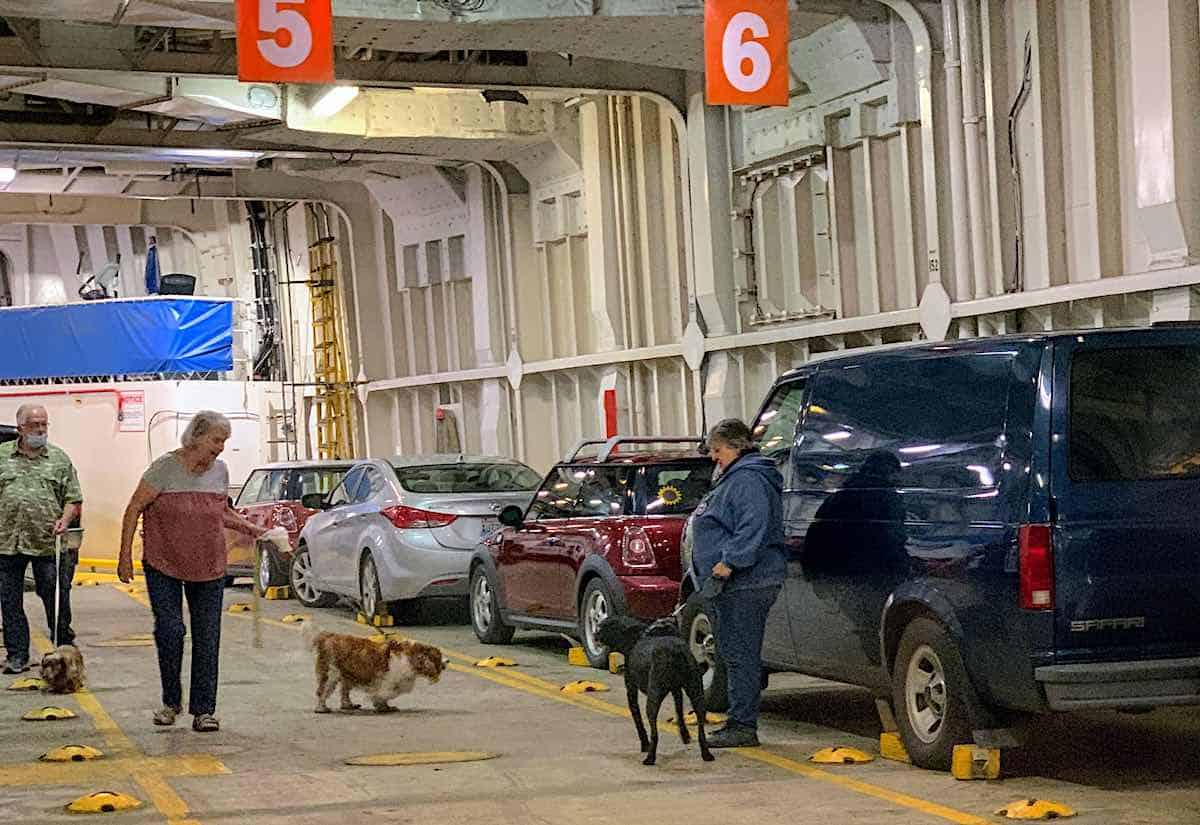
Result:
pixel 600 538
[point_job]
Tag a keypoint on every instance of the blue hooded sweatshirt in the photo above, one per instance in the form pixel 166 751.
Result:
pixel 740 522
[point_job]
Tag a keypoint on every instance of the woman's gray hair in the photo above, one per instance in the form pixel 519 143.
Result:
pixel 202 424
pixel 732 432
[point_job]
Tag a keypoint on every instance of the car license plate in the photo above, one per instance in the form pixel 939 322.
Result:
pixel 487 528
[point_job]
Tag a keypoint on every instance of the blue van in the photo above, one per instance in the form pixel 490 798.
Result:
pixel 976 526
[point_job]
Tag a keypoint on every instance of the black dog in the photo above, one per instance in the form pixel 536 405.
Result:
pixel 657 663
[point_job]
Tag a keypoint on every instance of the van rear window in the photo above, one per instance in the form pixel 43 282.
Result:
pixel 1135 414
pixel 933 423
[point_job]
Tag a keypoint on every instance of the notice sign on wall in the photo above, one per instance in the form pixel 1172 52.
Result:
pixel 131 411
pixel 745 52
pixel 285 41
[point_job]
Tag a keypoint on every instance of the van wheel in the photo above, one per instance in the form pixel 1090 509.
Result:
pixel 935 703
pixel 485 611
pixel 697 627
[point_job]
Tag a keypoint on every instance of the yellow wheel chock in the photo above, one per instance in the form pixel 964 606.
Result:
pixel 841 756
pixel 103 802
pixel 1035 809
pixel 28 683
pixel 72 753
pixel 48 714
pixel 496 661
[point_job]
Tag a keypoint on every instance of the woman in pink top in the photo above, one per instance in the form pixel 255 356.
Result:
pixel 183 501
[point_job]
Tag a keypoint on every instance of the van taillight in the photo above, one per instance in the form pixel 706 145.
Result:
pixel 408 518
pixel 636 550
pixel 1036 560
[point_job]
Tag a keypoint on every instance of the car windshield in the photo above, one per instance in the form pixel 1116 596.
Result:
pixel 468 478
pixel 676 489
pixel 317 480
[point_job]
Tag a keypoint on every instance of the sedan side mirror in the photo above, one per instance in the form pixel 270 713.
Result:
pixel 313 501
pixel 512 516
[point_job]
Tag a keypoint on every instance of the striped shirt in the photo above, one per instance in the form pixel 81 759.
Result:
pixel 183 529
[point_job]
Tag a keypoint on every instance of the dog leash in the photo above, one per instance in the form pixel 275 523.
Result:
pixel 254 599
pixel 57 584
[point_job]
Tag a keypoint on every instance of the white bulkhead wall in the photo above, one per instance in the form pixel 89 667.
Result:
pixel 883 205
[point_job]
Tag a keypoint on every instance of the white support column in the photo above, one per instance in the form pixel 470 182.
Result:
pixel 384 284
pixel 674 233
pixel 599 198
pixel 1091 187
pixel 491 409
pixel 711 200
pixel 133 266
pixel 1166 117
pixel 66 253
pixel 477 264
pixel 397 427
pixel 721 395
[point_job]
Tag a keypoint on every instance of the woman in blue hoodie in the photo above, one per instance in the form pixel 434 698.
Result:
pixel 737 538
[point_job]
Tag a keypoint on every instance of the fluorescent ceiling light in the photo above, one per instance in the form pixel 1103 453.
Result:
pixel 7 174
pixel 333 101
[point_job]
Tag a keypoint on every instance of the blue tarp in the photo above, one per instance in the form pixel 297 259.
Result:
pixel 122 337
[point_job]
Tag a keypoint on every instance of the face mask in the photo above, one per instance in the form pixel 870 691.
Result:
pixel 36 442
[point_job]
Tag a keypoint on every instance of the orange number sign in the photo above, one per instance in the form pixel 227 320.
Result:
pixel 745 52
pixel 285 41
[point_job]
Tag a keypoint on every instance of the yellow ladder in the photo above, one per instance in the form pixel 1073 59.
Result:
pixel 334 401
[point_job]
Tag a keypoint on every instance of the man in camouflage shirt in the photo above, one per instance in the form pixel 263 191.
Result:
pixel 39 499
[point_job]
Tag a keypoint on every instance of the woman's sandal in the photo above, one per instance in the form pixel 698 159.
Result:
pixel 165 716
pixel 205 723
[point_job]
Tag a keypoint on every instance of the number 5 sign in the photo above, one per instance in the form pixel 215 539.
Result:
pixel 745 52
pixel 285 41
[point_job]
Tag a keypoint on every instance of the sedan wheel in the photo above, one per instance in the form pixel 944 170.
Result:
pixel 370 597
pixel 304 582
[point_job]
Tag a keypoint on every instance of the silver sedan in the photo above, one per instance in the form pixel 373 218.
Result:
pixel 404 529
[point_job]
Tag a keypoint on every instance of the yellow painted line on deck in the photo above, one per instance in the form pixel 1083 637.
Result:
pixel 105 770
pixel 547 690
pixel 866 788
pixel 544 689
pixel 162 795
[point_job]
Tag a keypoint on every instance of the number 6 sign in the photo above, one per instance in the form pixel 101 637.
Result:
pixel 745 52
pixel 285 41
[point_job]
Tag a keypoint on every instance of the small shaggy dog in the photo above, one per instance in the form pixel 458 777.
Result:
pixel 657 663
pixel 383 670
pixel 62 670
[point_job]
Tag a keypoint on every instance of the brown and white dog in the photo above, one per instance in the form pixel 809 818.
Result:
pixel 384 670
pixel 62 670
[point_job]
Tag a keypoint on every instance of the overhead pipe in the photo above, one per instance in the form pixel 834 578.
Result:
pixel 50 393
pixel 973 139
pixel 958 161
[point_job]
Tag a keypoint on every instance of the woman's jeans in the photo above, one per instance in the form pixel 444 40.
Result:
pixel 741 622
pixel 204 604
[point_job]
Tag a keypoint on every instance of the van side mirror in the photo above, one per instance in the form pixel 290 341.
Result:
pixel 512 516
pixel 313 501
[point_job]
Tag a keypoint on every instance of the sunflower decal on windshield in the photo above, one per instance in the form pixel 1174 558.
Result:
pixel 669 495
